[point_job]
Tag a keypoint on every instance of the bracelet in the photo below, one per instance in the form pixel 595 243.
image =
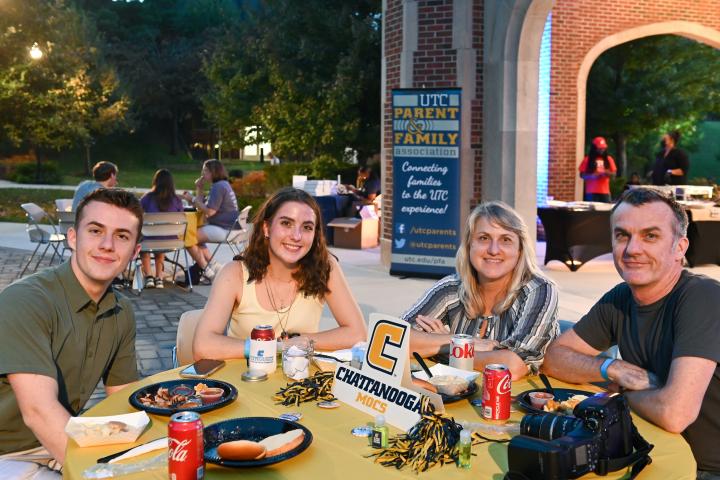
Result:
pixel 604 368
pixel 247 348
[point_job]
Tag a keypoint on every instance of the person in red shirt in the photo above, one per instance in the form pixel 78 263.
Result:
pixel 597 172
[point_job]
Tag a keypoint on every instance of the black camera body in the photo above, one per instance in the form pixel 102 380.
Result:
pixel 554 446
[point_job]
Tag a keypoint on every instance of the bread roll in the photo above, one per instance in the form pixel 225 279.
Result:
pixel 283 442
pixel 241 450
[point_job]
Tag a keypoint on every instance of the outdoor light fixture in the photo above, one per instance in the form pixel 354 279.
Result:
pixel 35 52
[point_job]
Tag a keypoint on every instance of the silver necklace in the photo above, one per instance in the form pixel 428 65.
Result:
pixel 283 314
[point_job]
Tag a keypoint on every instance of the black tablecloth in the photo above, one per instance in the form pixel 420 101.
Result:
pixel 575 236
pixel 704 245
pixel 331 207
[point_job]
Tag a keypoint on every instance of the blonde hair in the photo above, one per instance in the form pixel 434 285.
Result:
pixel 505 217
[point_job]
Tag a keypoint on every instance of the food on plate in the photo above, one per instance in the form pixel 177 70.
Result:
pixel 241 450
pixel 449 384
pixel 565 406
pixel 107 429
pixel 423 384
pixel 540 399
pixel 182 396
pixel 283 442
pixel 211 395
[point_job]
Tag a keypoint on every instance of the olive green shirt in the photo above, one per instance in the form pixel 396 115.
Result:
pixel 50 326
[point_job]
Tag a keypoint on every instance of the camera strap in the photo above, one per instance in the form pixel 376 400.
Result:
pixel 639 459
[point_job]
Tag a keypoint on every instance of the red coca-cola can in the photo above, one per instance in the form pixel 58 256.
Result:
pixel 186 459
pixel 263 332
pixel 497 383
pixel 462 351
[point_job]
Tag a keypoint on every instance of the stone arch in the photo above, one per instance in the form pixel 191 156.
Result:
pixel 513 35
pixel 694 31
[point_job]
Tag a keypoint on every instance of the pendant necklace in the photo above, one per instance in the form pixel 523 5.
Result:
pixel 282 313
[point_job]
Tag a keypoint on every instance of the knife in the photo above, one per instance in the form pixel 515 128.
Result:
pixel 115 455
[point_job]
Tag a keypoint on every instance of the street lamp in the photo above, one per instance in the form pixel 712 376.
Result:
pixel 35 52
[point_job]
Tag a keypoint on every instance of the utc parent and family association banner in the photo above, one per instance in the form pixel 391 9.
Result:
pixel 426 181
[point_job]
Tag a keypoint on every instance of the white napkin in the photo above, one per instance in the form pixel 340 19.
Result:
pixel 442 369
pixel 144 448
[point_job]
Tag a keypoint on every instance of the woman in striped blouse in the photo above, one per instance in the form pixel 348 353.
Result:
pixel 498 295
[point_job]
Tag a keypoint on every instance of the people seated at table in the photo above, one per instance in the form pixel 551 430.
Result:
pixel 283 279
pixel 664 320
pixel 596 169
pixel 64 329
pixel 220 211
pixel 498 295
pixel 367 185
pixel 160 198
pixel 104 176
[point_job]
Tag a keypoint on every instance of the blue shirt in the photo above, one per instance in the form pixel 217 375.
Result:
pixel 222 199
pixel 85 188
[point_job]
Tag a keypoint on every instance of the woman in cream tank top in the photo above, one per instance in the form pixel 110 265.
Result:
pixel 302 316
pixel 283 278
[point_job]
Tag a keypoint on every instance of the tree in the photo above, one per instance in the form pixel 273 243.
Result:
pixel 64 97
pixel 643 87
pixel 307 73
pixel 158 47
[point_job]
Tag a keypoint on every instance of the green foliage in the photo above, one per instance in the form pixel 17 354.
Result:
pixel 46 173
pixel 310 80
pixel 639 90
pixel 278 176
pixel 66 96
pixel 328 167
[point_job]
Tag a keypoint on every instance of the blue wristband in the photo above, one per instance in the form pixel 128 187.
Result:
pixel 604 368
pixel 247 348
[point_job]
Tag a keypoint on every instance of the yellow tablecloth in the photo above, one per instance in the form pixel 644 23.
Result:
pixel 335 453
pixel 194 220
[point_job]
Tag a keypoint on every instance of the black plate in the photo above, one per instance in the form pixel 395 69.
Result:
pixel 229 395
pixel 472 388
pixel 561 394
pixel 254 429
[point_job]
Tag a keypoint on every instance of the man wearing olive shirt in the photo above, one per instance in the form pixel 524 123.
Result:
pixel 64 329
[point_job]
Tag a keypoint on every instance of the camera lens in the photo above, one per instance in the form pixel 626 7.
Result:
pixel 547 426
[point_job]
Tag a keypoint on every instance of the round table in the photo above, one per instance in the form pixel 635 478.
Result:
pixel 335 453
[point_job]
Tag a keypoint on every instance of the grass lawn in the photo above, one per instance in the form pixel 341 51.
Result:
pixel 11 198
pixel 138 158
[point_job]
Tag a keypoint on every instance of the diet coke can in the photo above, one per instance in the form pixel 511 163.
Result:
pixel 462 352
pixel 497 382
pixel 186 452
pixel 263 349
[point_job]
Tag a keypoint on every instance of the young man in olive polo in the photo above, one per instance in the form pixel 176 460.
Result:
pixel 64 329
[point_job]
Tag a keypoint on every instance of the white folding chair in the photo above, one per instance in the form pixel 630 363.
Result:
pixel 237 236
pixel 63 204
pixel 47 235
pixel 164 232
pixel 66 219
pixel 182 352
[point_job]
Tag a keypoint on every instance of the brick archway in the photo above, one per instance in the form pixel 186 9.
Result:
pixel 582 30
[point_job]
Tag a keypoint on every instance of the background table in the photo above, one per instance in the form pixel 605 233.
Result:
pixel 575 236
pixel 332 207
pixel 335 453
pixel 703 233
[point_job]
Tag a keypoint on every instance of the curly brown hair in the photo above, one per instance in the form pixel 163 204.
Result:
pixel 314 272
